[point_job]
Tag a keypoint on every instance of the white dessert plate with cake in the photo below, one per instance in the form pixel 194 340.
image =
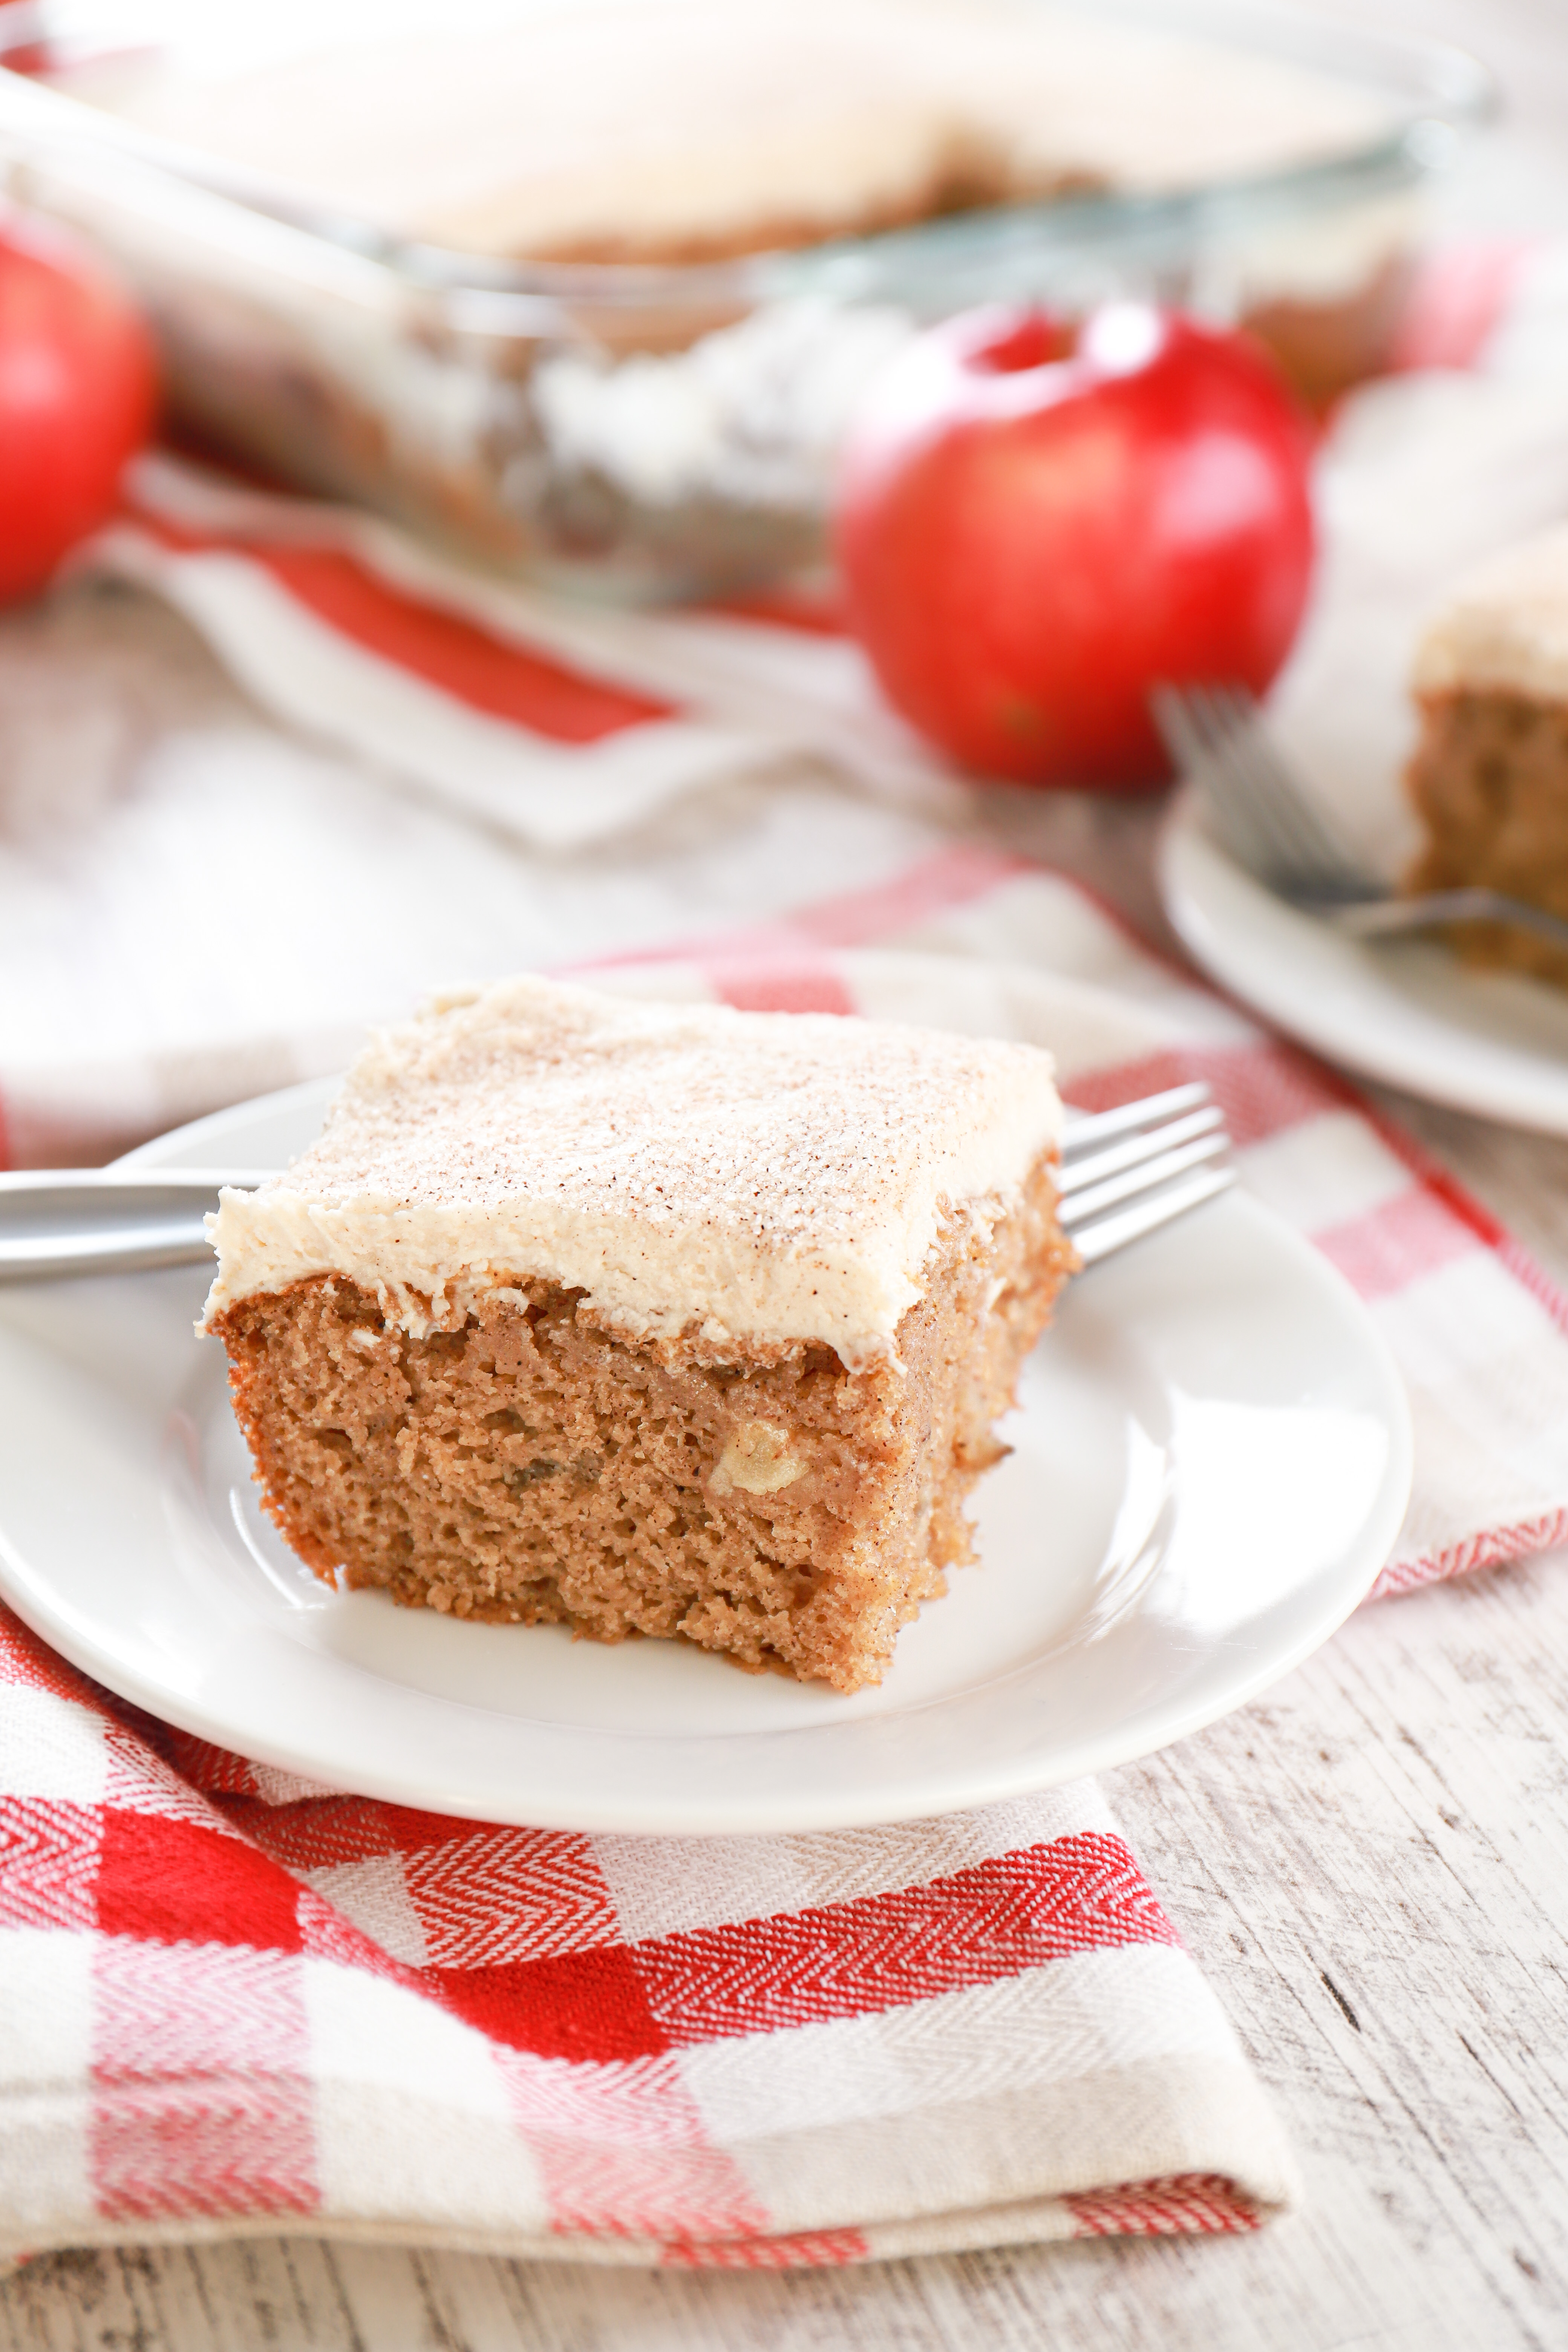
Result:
pixel 593 1316
pixel 1405 1010
pixel 1482 1022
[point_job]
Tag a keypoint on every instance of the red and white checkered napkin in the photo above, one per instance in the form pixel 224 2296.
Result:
pixel 230 2001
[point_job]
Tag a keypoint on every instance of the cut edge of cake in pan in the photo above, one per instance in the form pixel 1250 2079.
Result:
pixel 1489 779
pixel 650 1319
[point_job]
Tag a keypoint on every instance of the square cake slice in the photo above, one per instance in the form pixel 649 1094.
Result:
pixel 653 1319
pixel 1490 776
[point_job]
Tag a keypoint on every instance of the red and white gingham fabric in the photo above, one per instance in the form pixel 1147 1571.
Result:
pixel 230 2001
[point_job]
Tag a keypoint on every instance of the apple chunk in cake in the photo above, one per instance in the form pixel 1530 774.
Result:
pixel 654 1319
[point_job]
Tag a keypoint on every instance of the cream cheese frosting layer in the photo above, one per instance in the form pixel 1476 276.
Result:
pixel 1504 627
pixel 695 1170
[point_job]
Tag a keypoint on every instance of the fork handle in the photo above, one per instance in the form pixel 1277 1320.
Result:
pixel 1377 918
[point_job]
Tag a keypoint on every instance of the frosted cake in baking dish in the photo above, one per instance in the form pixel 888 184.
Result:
pixel 674 131
pixel 652 1319
pixel 674 429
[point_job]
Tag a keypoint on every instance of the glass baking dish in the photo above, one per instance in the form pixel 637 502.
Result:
pixel 664 432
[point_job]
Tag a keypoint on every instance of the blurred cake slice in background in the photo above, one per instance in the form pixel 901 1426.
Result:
pixel 1490 776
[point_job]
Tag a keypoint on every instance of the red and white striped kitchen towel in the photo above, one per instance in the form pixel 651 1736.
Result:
pixel 560 724
pixel 229 2001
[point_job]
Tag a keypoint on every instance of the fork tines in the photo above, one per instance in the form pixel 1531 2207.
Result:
pixel 1127 1171
pixel 1216 734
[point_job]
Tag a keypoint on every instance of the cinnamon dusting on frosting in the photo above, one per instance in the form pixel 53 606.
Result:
pixel 694 1169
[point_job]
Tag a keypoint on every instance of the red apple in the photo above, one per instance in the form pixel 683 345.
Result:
pixel 78 390
pixel 1038 525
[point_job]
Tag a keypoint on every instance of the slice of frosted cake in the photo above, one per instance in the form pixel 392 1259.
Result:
pixel 653 1319
pixel 1490 776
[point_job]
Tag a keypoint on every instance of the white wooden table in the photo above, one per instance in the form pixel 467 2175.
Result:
pixel 1370 1864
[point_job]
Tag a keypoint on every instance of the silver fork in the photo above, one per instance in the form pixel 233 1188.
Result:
pixel 1272 826
pixel 1128 1171
pixel 1125 1172
pixel 56 1220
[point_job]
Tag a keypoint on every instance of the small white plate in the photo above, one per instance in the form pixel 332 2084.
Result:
pixel 1404 1011
pixel 1211 1463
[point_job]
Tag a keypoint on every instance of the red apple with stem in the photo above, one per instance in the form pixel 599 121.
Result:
pixel 1037 525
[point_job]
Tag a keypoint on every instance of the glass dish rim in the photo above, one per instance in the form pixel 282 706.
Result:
pixel 1453 91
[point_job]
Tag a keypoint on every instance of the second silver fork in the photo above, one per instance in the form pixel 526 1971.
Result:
pixel 1269 822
